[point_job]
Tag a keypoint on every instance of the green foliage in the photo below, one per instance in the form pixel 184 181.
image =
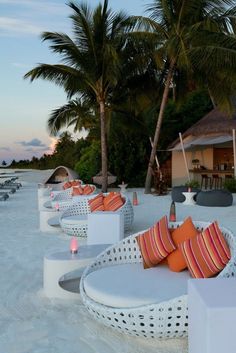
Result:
pixel 230 185
pixel 89 164
pixel 192 184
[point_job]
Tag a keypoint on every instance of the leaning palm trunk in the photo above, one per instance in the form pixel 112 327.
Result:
pixel 158 128
pixel 103 146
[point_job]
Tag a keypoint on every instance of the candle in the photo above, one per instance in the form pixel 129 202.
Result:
pixel 74 245
pixel 172 216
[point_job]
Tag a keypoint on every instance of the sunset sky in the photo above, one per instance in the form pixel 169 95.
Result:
pixel 25 106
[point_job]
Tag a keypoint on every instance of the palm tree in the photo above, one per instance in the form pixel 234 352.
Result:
pixel 90 65
pixel 193 37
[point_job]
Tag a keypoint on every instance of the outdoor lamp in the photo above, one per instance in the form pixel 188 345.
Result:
pixel 135 198
pixel 74 245
pixel 172 217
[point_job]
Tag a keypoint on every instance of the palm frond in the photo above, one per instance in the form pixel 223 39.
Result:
pixel 75 113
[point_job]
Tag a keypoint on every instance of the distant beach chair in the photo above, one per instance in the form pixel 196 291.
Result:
pixel 4 196
pixel 119 293
pixel 10 188
pixel 74 221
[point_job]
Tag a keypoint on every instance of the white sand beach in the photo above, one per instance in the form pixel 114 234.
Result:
pixel 32 323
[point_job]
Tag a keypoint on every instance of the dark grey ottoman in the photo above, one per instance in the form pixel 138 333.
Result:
pixel 214 198
pixel 176 193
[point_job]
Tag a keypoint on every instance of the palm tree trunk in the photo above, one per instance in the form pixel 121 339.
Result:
pixel 158 128
pixel 103 146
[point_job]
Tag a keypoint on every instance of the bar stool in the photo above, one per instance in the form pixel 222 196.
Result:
pixel 205 180
pixel 216 181
pixel 228 176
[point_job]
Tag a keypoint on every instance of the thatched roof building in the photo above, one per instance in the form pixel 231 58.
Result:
pixel 215 122
pixel 207 143
pixel 214 128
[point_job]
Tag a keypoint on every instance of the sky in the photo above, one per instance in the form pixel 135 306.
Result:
pixel 25 107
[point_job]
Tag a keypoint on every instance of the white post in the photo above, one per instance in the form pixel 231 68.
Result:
pixel 157 162
pixel 234 149
pixel 185 160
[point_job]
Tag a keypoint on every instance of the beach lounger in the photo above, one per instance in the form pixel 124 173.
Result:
pixel 149 303
pixel 4 196
pixel 10 189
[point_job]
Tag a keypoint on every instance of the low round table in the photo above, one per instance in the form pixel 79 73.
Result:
pixel 57 265
pixel 189 198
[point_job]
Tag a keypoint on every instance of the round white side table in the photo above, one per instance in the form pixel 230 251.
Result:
pixel 189 198
pixel 58 264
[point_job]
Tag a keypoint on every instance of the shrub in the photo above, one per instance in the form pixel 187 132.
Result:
pixel 230 184
pixel 89 164
pixel 192 184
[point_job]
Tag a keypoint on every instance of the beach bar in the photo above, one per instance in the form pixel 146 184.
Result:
pixel 208 147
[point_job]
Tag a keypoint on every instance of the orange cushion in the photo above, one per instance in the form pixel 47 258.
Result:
pixel 107 199
pixel 67 185
pixel 207 253
pixel 96 203
pixel 113 201
pixel 77 191
pixel 156 243
pixel 75 183
pixel 186 230
pixel 88 189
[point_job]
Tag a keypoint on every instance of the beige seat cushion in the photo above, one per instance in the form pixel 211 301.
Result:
pixel 129 285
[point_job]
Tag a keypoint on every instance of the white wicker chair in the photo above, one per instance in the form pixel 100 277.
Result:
pixel 74 220
pixel 167 319
pixel 64 199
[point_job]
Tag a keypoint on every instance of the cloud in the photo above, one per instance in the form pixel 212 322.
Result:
pixel 10 25
pixel 47 6
pixel 5 149
pixel 33 143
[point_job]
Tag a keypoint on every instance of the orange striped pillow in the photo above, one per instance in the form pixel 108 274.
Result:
pixel 156 243
pixel 77 191
pixel 88 189
pixel 207 253
pixel 96 203
pixel 75 183
pixel 112 202
pixel 67 185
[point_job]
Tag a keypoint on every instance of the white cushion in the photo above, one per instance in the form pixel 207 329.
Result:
pixel 74 219
pixel 129 285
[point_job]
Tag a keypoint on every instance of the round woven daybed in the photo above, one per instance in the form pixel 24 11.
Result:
pixel 64 199
pixel 74 220
pixel 59 176
pixel 151 303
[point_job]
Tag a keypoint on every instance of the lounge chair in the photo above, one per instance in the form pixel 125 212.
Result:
pixel 10 189
pixel 74 220
pixel 151 303
pixel 4 196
